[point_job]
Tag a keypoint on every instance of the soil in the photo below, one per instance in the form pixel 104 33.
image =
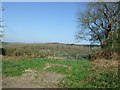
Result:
pixel 48 65
pixel 33 79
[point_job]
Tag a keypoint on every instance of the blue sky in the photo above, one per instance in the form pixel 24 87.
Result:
pixel 40 22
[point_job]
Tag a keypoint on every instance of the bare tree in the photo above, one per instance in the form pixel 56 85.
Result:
pixel 1 31
pixel 1 26
pixel 98 21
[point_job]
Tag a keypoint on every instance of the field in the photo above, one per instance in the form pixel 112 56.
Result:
pixel 47 50
pixel 81 73
pixel 63 70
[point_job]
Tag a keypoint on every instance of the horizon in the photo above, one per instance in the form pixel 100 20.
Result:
pixel 41 22
pixel 50 43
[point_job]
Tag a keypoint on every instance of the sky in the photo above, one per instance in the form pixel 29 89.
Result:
pixel 41 22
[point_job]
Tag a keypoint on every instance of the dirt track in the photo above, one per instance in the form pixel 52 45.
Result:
pixel 33 79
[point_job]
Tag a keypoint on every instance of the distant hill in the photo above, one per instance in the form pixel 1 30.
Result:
pixel 4 43
pixel 41 50
pixel 51 43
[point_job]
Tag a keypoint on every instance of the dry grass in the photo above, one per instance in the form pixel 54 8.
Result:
pixel 1 56
pixel 106 54
pixel 105 63
pixel 105 60
pixel 47 50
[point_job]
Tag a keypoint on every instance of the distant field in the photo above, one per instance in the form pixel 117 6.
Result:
pixel 48 50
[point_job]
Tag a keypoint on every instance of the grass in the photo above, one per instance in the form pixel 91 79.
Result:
pixel 105 80
pixel 14 68
pixel 18 66
pixel 80 76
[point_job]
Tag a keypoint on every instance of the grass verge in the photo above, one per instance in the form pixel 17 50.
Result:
pixel 81 75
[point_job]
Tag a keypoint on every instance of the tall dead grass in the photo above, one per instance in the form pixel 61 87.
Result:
pixel 45 50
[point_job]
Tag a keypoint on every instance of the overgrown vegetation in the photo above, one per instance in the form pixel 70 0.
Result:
pixel 47 50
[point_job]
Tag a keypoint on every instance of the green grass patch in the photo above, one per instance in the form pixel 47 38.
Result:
pixel 58 69
pixel 105 79
pixel 14 68
pixel 76 77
